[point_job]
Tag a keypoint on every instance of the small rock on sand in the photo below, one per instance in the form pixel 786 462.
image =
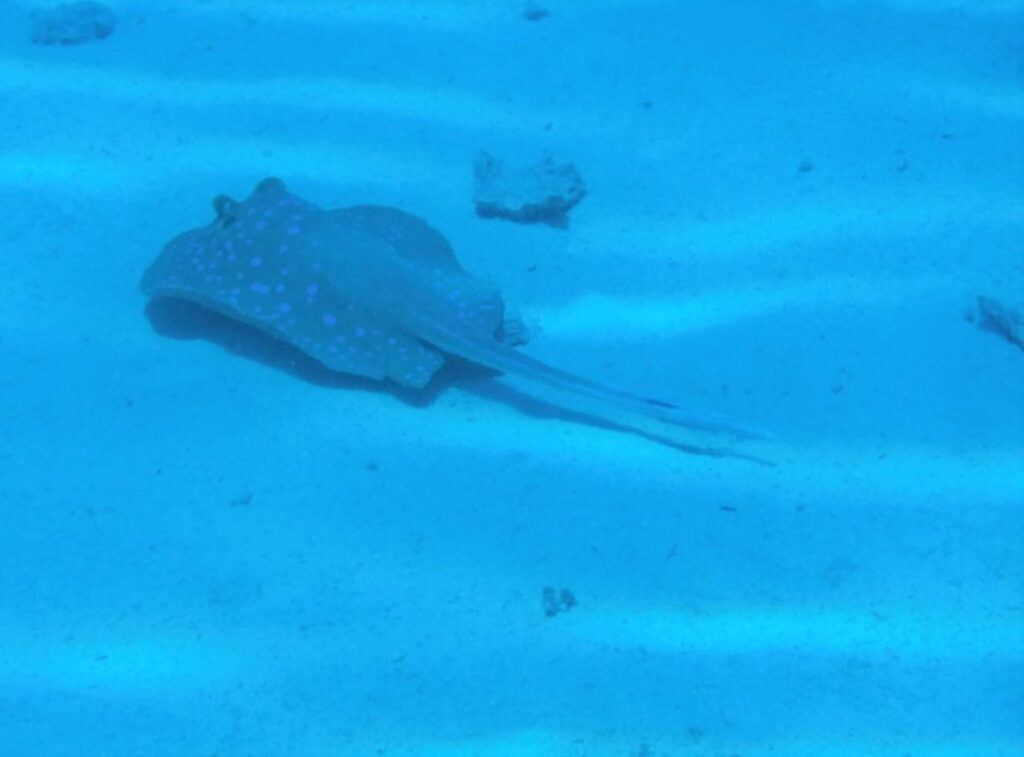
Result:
pixel 72 23
pixel 541 192
pixel 534 12
pixel 992 315
pixel 557 600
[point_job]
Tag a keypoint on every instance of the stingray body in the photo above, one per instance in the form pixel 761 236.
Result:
pixel 371 291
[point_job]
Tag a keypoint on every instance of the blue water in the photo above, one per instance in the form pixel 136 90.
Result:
pixel 209 547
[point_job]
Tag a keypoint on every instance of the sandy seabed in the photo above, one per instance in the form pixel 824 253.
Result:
pixel 791 206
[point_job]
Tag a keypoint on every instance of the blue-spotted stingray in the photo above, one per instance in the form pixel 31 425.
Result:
pixel 375 292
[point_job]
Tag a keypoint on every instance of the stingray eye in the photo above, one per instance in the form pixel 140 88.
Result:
pixel 225 208
pixel 271 185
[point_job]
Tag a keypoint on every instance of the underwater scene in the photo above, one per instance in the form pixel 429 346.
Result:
pixel 598 378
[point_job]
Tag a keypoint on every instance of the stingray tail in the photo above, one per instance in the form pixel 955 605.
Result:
pixel 502 358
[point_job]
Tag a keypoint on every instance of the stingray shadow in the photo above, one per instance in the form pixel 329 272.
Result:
pixel 181 319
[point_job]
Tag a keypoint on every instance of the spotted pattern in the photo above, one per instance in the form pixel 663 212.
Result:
pixel 273 261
